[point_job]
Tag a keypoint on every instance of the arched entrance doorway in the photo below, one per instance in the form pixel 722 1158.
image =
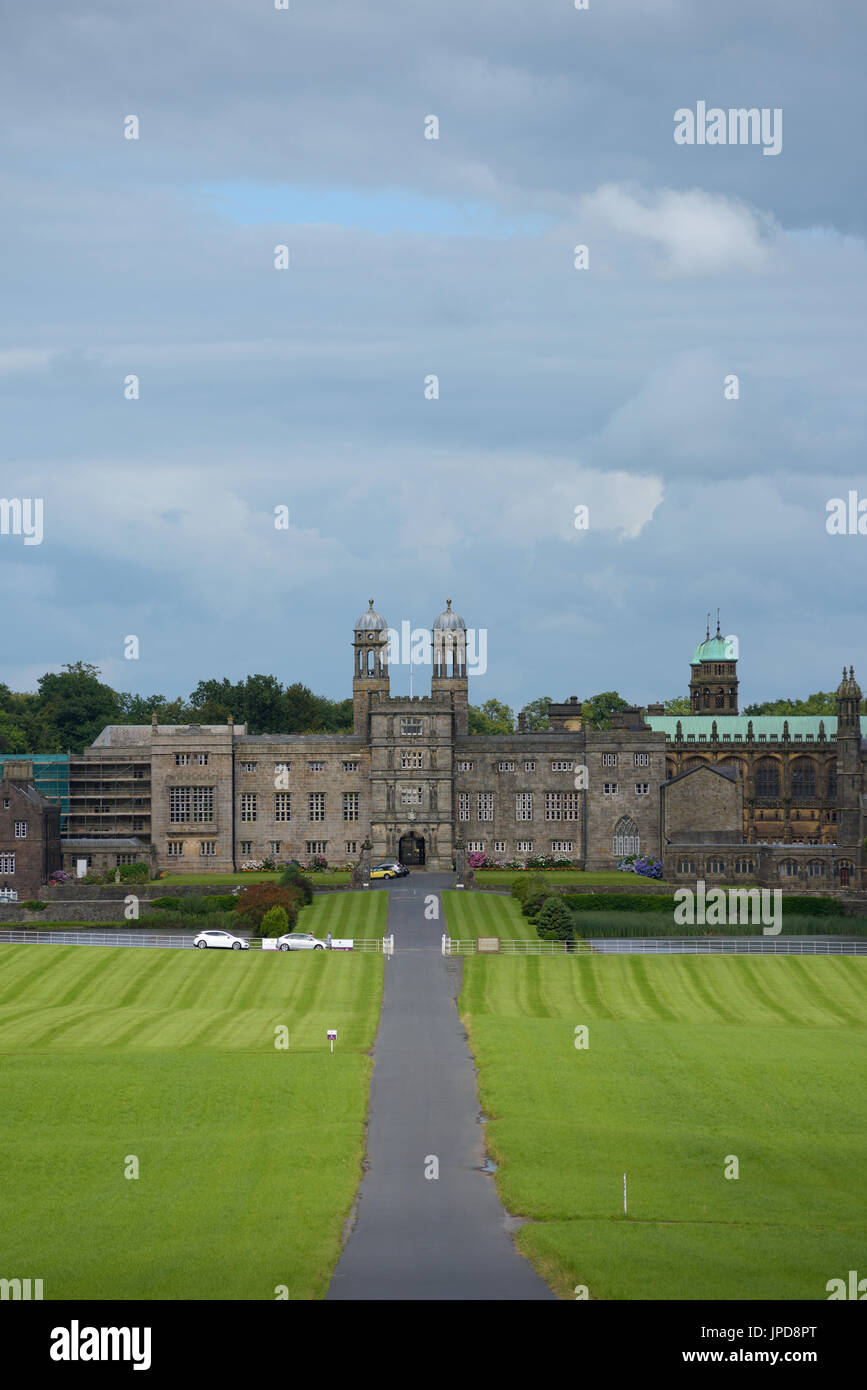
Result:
pixel 411 849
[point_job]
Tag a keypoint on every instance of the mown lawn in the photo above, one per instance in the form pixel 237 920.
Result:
pixel 361 914
pixel 249 1157
pixel 691 1060
pixel 469 915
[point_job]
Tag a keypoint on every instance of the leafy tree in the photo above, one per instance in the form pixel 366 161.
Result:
pixel 679 705
pixel 275 922
pixel 77 704
pixel 493 717
pixel 253 903
pixel 821 702
pixel 536 712
pixel 599 709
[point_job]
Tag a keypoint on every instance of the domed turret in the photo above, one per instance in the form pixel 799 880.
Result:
pixel 370 656
pixel 713 682
pixel 449 675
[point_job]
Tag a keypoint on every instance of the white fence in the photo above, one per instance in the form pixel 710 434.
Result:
pixel 384 944
pixel 451 947
pixel 670 946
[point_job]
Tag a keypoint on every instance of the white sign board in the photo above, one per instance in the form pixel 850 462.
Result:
pixel 80 868
pixel 342 943
pixel 269 943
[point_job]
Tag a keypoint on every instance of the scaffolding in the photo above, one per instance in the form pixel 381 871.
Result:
pixel 50 777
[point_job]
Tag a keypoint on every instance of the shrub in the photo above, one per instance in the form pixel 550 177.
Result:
pixel 534 900
pixel 522 886
pixel 275 922
pixel 318 863
pixel 179 921
pixel 34 905
pixel 644 864
pixel 554 920
pixel 134 873
pixel 268 865
pixel 169 904
pixel 253 903
pixel 293 877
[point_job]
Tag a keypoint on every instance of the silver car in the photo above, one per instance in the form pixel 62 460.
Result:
pixel 300 941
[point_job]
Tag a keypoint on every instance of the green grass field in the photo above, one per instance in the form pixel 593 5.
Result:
pixel 469 915
pixel 690 1060
pixel 249 1157
pixel 360 915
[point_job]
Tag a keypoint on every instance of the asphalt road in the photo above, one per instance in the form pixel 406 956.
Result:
pixel 416 1237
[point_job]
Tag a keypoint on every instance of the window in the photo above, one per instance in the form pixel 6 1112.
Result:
pixel 561 846
pixel 529 765
pixel 626 838
pixel 7 863
pixel 609 788
pixel 316 847
pixel 249 806
pixel 499 847
pixel 767 778
pixel 744 866
pixel 524 846
pixel 180 799
pixel 561 766
pixel 553 805
pixel 316 766
pixel 249 767
pixel 524 806
pixel 505 767
pixel 476 846
pixel 282 805
pixel 571 803
pixel 207 847
pixel 463 805
pixel 316 807
pixel 803 778
pixel 203 803
pixel 715 866
pixel 410 796
pixel 686 866
pixel 201 759
pixel 350 766
pixel 642 788
pixel 816 868
pixel 21 830
pixel 282 768
pixel 411 758
pixel 609 759
pixel 350 805
pixel 246 846
pixel 462 767
pixel 6 802
pixel 641 760
pixel 182 759
pixel 351 846
pixel 139 772
pixel 125 859
pixel 410 728
pixel 175 849
pixel 274 846
pixel 486 805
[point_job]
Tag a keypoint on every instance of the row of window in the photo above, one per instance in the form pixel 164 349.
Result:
pixel 816 868
pixel 558 805
pixel 521 846
pixel 314 765
pixel 315 806
pixel 208 848
pixel 560 764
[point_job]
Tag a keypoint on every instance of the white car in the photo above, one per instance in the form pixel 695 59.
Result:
pixel 300 941
pixel 221 938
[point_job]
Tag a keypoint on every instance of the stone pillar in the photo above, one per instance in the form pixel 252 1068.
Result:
pixel 460 858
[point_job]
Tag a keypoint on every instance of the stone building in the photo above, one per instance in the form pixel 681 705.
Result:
pixel 411 779
pixel 29 832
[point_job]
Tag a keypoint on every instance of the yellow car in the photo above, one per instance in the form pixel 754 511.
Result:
pixel 390 870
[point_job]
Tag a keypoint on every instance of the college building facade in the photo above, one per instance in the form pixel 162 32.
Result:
pixel 713 794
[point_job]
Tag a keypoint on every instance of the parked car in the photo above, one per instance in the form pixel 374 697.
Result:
pixel 300 941
pixel 221 938
pixel 390 868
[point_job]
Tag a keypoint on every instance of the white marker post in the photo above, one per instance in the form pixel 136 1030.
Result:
pixel 332 1037
pixel 624 1194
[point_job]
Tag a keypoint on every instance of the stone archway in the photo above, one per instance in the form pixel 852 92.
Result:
pixel 411 850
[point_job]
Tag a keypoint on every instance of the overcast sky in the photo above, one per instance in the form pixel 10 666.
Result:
pixel 410 257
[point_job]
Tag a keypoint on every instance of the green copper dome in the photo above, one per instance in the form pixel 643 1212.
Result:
pixel 712 649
